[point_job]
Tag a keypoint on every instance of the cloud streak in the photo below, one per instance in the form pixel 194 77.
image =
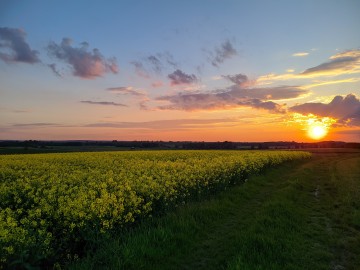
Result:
pixel 341 63
pixel 85 64
pixel 127 90
pixel 167 124
pixel 300 54
pixel 345 109
pixel 13 40
pixel 107 103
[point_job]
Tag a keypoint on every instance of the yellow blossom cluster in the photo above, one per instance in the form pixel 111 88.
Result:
pixel 53 203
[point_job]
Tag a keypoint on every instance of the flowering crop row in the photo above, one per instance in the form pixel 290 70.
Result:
pixel 53 203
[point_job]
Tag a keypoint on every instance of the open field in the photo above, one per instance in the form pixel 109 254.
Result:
pixel 54 207
pixel 301 215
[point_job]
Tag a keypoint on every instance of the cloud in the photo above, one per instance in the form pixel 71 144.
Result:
pixel 347 62
pixel 157 84
pixel 341 63
pixel 110 103
pixel 55 70
pixel 179 77
pixel 168 124
pixel 126 90
pixel 233 97
pixel 13 40
pixel 35 125
pixel 224 52
pixel 85 64
pixel 140 69
pixel 300 54
pixel 240 80
pixel 345 109
pixel 156 63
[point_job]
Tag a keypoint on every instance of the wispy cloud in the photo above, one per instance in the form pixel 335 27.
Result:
pixel 222 53
pixel 85 64
pixel 345 109
pixel 341 63
pixel 13 40
pixel 128 90
pixel 108 103
pixel 54 69
pixel 140 69
pixel 300 54
pixel 35 125
pixel 321 83
pixel 168 124
pixel 179 77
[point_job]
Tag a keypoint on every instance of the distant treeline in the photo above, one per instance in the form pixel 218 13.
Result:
pixel 178 144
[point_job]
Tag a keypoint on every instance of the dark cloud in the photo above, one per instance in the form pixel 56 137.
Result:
pixel 179 77
pixel 85 64
pixel 224 52
pixel 125 90
pixel 340 63
pixel 108 103
pixel 345 109
pixel 13 40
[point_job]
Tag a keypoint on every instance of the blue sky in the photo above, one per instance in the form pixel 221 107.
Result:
pixel 179 70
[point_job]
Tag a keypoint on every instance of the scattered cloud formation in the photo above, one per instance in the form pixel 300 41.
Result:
pixel 341 63
pixel 14 48
pixel 128 90
pixel 179 77
pixel 345 109
pixel 214 101
pixel 85 64
pixel 235 96
pixel 222 53
pixel 300 54
pixel 108 103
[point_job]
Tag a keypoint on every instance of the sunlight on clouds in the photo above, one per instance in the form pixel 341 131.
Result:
pixel 320 83
pixel 300 54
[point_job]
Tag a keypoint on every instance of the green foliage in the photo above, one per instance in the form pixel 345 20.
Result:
pixel 52 205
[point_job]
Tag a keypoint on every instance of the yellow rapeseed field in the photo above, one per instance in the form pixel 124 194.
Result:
pixel 51 203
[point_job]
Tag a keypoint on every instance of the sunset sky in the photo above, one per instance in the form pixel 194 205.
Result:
pixel 180 70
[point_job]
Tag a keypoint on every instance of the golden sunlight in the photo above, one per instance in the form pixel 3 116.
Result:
pixel 317 131
pixel 317 127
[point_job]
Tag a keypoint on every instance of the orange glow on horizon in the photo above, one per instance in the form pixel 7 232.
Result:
pixel 316 127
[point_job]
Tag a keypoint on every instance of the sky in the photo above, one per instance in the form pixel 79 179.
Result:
pixel 205 70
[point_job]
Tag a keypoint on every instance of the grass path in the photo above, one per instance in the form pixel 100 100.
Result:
pixel 302 215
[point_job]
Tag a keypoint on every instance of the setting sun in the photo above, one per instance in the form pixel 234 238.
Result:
pixel 317 132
